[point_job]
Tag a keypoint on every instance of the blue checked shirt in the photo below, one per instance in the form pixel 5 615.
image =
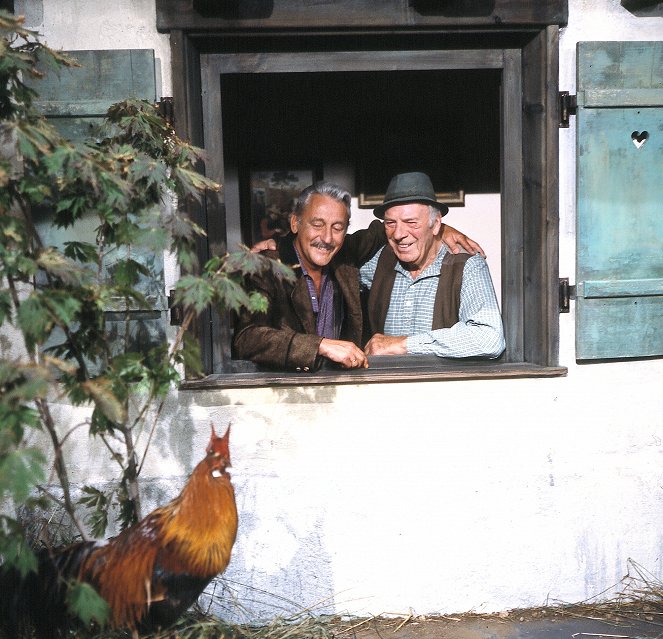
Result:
pixel 479 331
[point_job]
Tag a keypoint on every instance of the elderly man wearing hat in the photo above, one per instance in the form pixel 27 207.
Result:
pixel 424 299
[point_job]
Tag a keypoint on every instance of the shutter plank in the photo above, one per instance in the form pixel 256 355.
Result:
pixel 104 78
pixel 622 288
pixel 620 97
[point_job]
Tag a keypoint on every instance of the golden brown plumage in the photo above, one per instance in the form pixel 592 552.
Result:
pixel 153 571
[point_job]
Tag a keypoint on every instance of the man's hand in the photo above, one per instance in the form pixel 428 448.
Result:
pixel 381 344
pixel 346 354
pixel 455 240
pixel 264 245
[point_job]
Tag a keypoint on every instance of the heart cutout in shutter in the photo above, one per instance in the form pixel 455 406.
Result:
pixel 639 138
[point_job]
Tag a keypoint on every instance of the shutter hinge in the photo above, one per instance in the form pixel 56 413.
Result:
pixel 166 107
pixel 176 310
pixel 566 294
pixel 568 105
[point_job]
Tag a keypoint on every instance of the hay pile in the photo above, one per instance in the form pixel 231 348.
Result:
pixel 636 599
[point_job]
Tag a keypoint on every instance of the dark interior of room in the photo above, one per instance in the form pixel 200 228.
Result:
pixel 446 123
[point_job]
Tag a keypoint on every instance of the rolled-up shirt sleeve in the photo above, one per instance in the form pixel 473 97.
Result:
pixel 479 331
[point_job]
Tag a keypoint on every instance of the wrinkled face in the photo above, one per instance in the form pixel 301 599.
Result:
pixel 320 230
pixel 410 234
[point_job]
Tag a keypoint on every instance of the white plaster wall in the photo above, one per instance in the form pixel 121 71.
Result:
pixel 432 497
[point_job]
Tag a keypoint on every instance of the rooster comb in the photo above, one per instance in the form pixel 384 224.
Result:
pixel 219 445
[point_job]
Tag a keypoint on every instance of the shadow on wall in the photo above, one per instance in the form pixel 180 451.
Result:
pixel 644 8
pixel 297 580
pixel 234 9
pixel 259 584
pixel 282 394
pixel 453 8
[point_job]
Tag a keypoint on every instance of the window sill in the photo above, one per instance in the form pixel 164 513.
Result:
pixel 382 370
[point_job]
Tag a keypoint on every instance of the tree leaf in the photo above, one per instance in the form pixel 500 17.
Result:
pixel 258 303
pixel 20 471
pixel 101 391
pixel 14 546
pixel 194 292
pixel 86 603
pixel 41 310
pixel 230 294
pixel 98 503
pixel 126 272
pixel 81 251
pixel 63 268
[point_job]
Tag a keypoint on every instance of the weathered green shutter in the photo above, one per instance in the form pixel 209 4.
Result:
pixel 75 101
pixel 619 268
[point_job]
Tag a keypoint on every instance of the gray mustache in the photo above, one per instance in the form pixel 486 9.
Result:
pixel 323 245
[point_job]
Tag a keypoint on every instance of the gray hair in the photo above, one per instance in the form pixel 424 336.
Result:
pixel 329 189
pixel 433 212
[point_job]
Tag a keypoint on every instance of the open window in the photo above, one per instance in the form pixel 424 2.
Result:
pixel 478 112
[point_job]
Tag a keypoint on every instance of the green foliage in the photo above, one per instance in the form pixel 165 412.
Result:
pixel 98 505
pixel 84 601
pixel 14 547
pixel 55 298
pixel 18 471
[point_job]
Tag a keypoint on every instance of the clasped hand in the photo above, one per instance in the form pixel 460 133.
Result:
pixel 347 354
pixel 381 344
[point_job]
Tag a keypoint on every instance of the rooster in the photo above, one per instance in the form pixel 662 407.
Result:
pixel 150 573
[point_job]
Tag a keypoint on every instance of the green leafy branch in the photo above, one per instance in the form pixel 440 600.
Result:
pixel 133 185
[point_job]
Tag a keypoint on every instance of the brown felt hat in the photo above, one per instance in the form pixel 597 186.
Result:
pixel 405 188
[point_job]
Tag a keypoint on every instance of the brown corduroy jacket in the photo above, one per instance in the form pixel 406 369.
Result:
pixel 284 336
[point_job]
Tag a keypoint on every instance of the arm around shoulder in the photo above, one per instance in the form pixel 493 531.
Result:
pixel 362 245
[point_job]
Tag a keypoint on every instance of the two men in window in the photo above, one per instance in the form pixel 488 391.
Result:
pixel 423 297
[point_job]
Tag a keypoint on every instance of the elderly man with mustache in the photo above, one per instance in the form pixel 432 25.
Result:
pixel 319 317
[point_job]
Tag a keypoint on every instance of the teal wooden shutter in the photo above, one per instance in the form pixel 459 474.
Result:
pixel 619 267
pixel 75 101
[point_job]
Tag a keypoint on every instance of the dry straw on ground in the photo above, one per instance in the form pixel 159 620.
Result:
pixel 636 599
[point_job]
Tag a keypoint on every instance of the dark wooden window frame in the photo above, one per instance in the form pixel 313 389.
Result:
pixel 528 59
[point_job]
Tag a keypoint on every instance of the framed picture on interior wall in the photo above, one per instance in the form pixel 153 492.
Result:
pixel 371 183
pixel 451 198
pixel 271 194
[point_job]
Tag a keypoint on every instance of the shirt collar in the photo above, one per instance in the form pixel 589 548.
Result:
pixel 433 269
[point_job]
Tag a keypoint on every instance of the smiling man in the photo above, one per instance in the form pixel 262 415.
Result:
pixel 319 317
pixel 424 299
